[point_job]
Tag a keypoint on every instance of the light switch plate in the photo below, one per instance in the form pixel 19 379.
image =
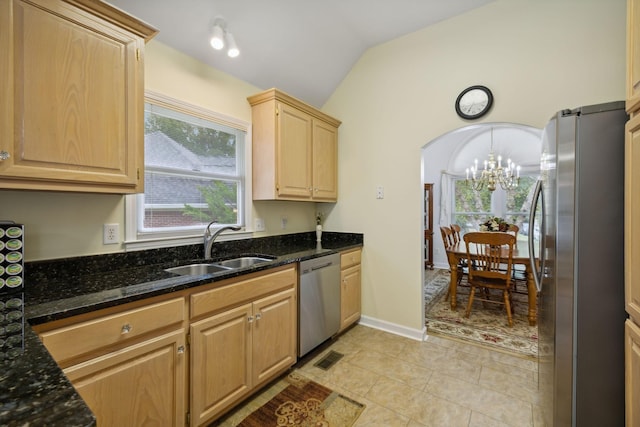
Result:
pixel 258 224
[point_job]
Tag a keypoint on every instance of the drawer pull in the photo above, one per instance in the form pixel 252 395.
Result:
pixel 126 329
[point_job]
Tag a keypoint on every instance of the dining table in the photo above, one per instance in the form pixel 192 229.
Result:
pixel 458 252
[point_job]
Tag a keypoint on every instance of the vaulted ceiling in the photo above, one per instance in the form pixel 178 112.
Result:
pixel 303 47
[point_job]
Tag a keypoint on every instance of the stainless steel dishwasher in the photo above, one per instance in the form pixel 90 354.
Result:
pixel 319 301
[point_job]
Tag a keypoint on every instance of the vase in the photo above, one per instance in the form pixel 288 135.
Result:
pixel 318 232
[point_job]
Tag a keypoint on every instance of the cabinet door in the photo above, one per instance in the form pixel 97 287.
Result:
pixel 632 218
pixel 350 298
pixel 220 362
pixel 325 161
pixel 293 153
pixel 274 335
pixel 632 368
pixel 140 385
pixel 633 56
pixel 71 100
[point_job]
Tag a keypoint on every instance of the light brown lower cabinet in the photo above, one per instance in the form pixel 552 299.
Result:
pixel 142 384
pixel 241 347
pixel 632 361
pixel 350 288
pixel 130 363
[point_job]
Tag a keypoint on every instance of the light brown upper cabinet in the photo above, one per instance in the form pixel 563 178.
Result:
pixel 633 58
pixel 71 96
pixel 295 149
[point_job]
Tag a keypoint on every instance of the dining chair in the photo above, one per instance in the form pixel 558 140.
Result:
pixel 447 237
pixel 492 257
pixel 455 232
pixel 519 273
pixel 514 230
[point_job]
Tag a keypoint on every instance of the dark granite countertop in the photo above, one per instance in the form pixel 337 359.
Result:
pixel 33 389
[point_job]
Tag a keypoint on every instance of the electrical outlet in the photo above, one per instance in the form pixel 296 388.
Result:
pixel 380 192
pixel 110 234
pixel 283 222
pixel 258 224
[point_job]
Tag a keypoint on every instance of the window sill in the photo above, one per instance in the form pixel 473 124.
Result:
pixel 166 242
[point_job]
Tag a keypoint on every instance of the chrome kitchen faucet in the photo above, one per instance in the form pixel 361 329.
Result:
pixel 210 238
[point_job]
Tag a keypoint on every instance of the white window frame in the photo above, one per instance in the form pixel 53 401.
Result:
pixel 498 199
pixel 136 240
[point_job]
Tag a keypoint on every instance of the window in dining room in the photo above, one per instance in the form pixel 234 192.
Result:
pixel 471 207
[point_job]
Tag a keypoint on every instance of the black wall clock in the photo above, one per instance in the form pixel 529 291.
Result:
pixel 474 102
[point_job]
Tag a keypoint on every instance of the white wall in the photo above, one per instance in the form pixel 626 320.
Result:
pixel 536 56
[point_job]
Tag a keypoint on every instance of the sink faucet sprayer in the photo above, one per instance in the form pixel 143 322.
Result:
pixel 210 238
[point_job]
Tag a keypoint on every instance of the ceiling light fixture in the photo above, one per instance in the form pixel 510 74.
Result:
pixel 493 173
pixel 217 39
pixel 233 48
pixel 221 37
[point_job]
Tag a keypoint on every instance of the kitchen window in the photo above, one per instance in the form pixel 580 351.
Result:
pixel 194 173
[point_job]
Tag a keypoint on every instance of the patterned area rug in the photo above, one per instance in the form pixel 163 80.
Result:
pixel 487 325
pixel 305 403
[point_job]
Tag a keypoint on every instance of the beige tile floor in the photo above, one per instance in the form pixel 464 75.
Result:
pixel 438 382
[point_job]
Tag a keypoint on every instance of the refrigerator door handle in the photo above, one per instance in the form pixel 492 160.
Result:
pixel 537 272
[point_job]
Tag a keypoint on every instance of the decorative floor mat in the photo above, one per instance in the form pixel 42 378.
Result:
pixel 305 403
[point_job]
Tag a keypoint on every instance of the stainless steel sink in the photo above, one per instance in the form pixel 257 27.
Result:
pixel 197 269
pixel 200 269
pixel 242 262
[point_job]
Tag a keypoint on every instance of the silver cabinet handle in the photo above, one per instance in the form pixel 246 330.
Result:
pixel 181 349
pixel 4 155
pixel 126 329
pixel 258 316
pixel 250 319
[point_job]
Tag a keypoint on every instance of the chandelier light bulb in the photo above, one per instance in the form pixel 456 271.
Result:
pixel 494 173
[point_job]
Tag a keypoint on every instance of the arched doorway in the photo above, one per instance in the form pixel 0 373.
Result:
pixel 444 162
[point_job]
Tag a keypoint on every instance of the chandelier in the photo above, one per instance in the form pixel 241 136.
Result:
pixel 493 173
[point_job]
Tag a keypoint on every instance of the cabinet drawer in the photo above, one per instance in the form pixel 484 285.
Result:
pixel 229 295
pixel 351 258
pixel 84 337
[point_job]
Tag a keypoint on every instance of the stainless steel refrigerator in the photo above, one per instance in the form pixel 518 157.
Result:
pixel 578 217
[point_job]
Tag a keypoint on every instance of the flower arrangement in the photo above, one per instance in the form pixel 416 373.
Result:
pixel 494 224
pixel 319 218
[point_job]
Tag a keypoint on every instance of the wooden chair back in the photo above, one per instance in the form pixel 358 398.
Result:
pixel 492 256
pixel 455 232
pixel 514 229
pixel 447 237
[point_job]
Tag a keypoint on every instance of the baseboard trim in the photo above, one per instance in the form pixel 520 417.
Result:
pixel 414 334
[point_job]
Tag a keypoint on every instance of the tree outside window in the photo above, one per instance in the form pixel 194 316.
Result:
pixel 193 171
pixel 471 207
